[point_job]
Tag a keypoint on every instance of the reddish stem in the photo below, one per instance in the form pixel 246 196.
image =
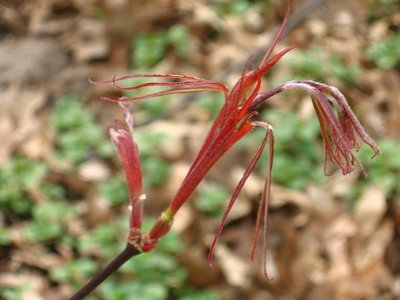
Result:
pixel 113 266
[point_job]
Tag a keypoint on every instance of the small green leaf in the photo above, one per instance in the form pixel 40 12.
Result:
pixel 4 237
pixel 386 54
pixel 115 191
pixel 78 134
pixel 14 293
pixel 105 239
pixel 76 271
pixel 192 294
pixel 212 199
pixel 156 172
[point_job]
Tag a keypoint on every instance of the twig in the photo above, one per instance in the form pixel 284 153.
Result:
pixel 114 265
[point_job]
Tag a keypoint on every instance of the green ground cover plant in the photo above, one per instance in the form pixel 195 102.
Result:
pixel 386 54
pixel 339 127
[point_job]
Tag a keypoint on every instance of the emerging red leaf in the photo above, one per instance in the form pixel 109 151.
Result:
pixel 129 153
pixel 339 128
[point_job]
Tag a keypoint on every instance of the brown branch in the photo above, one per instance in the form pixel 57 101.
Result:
pixel 113 266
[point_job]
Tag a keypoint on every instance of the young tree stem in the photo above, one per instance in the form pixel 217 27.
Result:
pixel 113 266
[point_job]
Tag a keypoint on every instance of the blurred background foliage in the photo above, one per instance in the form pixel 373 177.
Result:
pixel 63 212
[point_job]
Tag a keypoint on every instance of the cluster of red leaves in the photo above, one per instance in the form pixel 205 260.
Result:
pixel 339 127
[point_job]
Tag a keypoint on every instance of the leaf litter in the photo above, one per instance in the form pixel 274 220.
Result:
pixel 321 249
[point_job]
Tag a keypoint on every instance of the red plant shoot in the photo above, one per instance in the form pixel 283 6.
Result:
pixel 339 127
pixel 129 153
